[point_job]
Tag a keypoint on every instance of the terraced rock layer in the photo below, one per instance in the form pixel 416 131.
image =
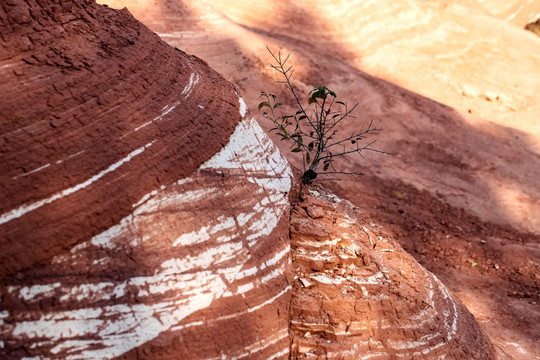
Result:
pixel 358 295
pixel 144 213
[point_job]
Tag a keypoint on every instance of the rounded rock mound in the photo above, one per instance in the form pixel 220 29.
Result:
pixel 358 295
pixel 144 213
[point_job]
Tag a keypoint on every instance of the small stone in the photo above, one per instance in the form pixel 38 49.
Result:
pixel 315 212
pixel 398 195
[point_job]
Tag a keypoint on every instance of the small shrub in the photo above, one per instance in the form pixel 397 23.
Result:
pixel 313 129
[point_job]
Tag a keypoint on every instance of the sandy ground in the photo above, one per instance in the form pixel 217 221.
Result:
pixel 456 85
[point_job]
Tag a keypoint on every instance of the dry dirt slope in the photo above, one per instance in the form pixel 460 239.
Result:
pixel 462 189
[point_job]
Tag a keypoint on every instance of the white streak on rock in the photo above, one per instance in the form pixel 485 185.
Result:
pixel 243 107
pixel 272 275
pixel 279 354
pixel 180 286
pixel 21 210
pixel 265 343
pixel 33 171
pixel 70 157
pixel 193 80
pixel 33 291
pixel 326 279
pixel 273 261
pixel 375 279
pixel 206 232
pixel 318 244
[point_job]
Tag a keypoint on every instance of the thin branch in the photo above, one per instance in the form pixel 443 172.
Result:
pixel 341 172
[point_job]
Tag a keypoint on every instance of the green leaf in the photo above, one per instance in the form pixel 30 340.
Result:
pixel 308 158
pixel 311 144
pixel 263 104
pixel 326 166
pixel 276 105
pixel 295 150
pixel 311 100
pixel 341 102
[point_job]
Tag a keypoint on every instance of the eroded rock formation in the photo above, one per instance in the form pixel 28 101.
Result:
pixel 467 188
pixel 358 295
pixel 144 213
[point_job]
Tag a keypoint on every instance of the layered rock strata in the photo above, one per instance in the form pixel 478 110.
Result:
pixel 144 213
pixel 358 295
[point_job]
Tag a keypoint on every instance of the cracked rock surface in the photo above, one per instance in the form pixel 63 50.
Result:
pixel 358 295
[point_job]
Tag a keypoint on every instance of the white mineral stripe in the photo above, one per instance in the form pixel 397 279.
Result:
pixel 425 351
pixel 136 323
pixel 70 157
pixel 273 261
pixel 254 349
pixel 243 107
pixel 188 86
pixel 29 293
pixel 376 279
pixel 326 279
pixel 245 288
pixel 192 82
pixel 132 325
pixel 231 316
pixel 274 274
pixel 254 308
pixel 33 171
pixel 283 352
pixel 206 232
pixel 320 243
pixel 21 210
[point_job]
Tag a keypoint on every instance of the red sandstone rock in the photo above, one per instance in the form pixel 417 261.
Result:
pixel 144 213
pixel 467 173
pixel 388 307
